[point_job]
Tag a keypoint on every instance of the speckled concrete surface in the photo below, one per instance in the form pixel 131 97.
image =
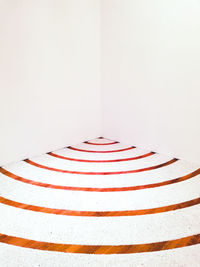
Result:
pixel 100 230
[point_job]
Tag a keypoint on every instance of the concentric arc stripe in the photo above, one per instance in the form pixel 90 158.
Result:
pixel 101 173
pixel 101 144
pixel 96 151
pixel 101 161
pixel 93 189
pixel 168 208
pixel 101 249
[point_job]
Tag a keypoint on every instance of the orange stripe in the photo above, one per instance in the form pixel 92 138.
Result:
pixel 101 173
pixel 102 161
pixel 91 189
pixel 100 249
pixel 173 207
pixel 94 151
pixel 99 144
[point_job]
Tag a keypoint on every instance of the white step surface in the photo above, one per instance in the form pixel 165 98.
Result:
pixel 124 230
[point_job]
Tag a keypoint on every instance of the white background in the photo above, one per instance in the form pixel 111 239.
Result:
pixel 59 59
pixel 151 74
pixel 49 75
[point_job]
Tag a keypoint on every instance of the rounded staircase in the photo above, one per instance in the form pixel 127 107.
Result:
pixel 100 203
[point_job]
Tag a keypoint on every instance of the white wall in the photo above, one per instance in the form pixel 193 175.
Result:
pixel 49 75
pixel 151 74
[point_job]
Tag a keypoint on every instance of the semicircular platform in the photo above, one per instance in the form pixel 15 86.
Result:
pixel 100 203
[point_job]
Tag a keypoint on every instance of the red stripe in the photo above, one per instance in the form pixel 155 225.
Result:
pixel 100 249
pixel 101 173
pixel 168 208
pixel 94 151
pixel 101 161
pixel 92 189
pixel 103 144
